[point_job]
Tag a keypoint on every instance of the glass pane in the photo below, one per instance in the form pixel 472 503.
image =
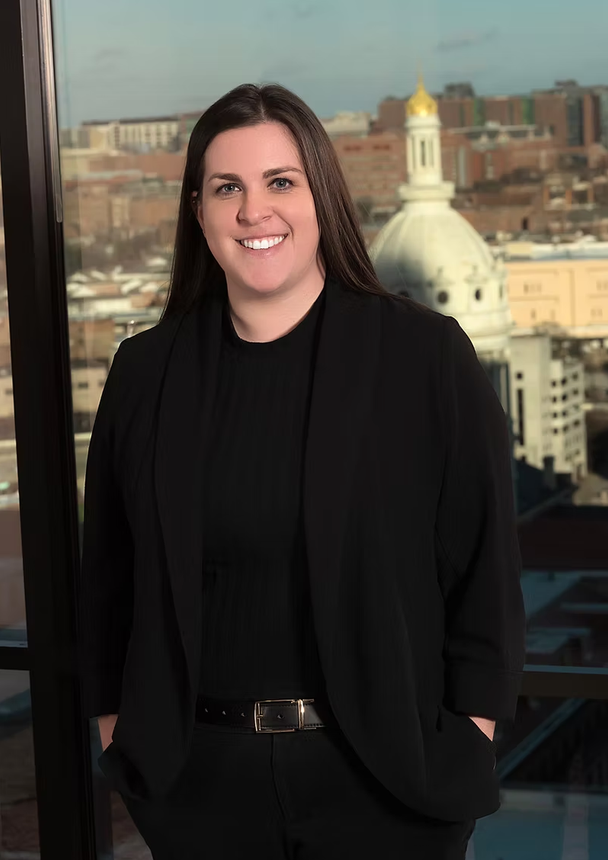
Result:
pixel 553 767
pixel 506 177
pixel 566 613
pixel 128 844
pixel 18 809
pixel 12 596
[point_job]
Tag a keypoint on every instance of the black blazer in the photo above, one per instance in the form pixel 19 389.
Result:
pixel 410 532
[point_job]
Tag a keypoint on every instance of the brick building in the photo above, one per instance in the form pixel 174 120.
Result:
pixel 168 166
pixel 374 167
pixel 95 207
pixel 492 152
pixel 575 116
pixel 572 113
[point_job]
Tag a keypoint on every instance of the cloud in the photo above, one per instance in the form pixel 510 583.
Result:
pixel 466 40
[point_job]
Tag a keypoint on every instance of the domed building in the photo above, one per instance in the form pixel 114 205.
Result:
pixel 429 252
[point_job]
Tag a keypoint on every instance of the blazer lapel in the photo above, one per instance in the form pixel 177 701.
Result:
pixel 184 421
pixel 342 399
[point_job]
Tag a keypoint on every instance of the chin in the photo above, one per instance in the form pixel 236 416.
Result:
pixel 263 285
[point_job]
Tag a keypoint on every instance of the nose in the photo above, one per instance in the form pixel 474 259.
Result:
pixel 254 208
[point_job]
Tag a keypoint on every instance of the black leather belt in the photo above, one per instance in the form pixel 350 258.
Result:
pixel 264 715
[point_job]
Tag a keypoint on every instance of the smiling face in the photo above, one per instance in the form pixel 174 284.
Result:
pixel 257 211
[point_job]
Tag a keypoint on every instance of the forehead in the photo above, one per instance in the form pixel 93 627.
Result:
pixel 252 150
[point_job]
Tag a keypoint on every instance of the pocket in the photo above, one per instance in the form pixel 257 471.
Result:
pixel 482 735
pixel 462 723
pixel 460 765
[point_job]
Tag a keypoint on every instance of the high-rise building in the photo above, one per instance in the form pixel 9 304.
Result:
pixel 530 361
pixel 576 116
pixel 136 135
pixel 459 91
pixel 601 94
pixel 573 112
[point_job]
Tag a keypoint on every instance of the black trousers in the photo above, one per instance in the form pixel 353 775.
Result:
pixel 301 795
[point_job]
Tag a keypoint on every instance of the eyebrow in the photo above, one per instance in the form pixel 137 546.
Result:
pixel 274 171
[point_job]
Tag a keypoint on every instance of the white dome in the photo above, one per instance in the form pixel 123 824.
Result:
pixel 429 251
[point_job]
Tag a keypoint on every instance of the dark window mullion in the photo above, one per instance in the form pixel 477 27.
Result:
pixel 12 657
pixel 44 428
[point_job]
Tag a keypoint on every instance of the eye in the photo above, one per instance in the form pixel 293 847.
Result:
pixel 229 188
pixel 285 183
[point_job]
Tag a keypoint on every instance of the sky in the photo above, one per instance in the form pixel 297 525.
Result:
pixel 129 58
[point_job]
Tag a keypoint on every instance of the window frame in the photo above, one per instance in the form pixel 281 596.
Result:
pixel 42 394
pixel 73 823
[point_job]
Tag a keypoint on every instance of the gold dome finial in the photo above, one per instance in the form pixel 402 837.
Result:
pixel 421 103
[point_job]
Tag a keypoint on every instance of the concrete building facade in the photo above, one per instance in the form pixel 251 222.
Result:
pixel 567 417
pixel 556 285
pixel 547 396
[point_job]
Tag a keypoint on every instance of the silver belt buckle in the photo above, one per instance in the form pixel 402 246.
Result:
pixel 257 715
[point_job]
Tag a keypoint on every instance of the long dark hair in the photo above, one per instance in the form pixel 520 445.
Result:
pixel 342 247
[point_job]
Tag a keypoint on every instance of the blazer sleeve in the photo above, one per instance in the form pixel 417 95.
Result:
pixel 106 571
pixel 477 550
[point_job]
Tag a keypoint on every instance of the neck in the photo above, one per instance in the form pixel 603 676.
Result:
pixel 264 317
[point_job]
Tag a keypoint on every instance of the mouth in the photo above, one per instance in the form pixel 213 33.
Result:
pixel 262 244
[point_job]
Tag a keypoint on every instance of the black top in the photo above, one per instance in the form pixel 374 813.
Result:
pixel 258 635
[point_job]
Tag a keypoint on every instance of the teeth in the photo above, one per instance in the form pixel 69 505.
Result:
pixel 261 244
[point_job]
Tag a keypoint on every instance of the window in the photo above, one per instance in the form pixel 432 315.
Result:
pixel 18 812
pixel 521 416
pixel 124 237
pixel 12 595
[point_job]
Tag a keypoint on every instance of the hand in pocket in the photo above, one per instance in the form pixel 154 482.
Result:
pixel 106 729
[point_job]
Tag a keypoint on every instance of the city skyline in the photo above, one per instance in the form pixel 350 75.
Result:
pixel 158 58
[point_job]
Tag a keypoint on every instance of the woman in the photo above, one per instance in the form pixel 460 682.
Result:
pixel 298 487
